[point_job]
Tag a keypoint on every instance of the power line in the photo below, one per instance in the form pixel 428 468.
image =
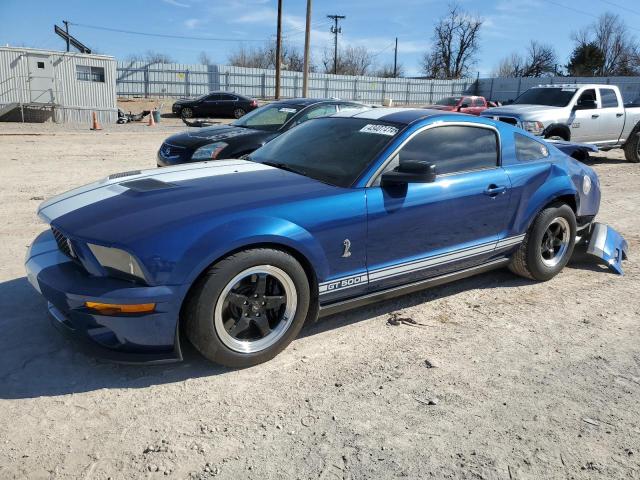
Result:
pixel 621 7
pixel 582 12
pixel 165 35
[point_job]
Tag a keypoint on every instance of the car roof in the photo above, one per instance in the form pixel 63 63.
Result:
pixel 403 116
pixel 305 102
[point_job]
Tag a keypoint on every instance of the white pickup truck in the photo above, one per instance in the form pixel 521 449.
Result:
pixel 587 113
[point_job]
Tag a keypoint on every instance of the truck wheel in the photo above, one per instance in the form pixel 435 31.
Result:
pixel 548 245
pixel 248 307
pixel 632 146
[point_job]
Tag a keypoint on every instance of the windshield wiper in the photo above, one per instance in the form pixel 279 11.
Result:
pixel 288 168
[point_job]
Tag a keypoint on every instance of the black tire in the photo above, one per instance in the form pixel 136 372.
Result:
pixel 529 260
pixel 186 112
pixel 239 112
pixel 555 137
pixel 632 146
pixel 200 310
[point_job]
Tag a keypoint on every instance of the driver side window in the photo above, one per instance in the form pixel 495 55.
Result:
pixel 587 100
pixel 452 149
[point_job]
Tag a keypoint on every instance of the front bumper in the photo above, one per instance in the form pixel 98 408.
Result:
pixel 608 245
pixel 128 338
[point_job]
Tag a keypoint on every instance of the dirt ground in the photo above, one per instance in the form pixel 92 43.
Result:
pixel 502 379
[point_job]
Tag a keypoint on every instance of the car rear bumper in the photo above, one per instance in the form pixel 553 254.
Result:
pixel 66 286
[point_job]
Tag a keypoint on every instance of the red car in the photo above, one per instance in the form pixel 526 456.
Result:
pixel 467 104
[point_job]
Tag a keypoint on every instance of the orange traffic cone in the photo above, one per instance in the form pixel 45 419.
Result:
pixel 95 125
pixel 152 122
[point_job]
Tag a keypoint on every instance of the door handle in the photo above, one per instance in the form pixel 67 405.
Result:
pixel 495 190
pixel 619 114
pixel 595 115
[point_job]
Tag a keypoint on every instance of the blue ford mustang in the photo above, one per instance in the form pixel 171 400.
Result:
pixel 337 212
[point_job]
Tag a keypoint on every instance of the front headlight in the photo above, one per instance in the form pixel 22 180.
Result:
pixel 209 152
pixel 117 260
pixel 533 127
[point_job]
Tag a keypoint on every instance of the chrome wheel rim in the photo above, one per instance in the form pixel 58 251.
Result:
pixel 255 309
pixel 238 113
pixel 186 113
pixel 555 241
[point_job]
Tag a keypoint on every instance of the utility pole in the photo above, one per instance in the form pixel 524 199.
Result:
pixel 66 28
pixel 278 48
pixel 307 41
pixel 395 60
pixel 335 30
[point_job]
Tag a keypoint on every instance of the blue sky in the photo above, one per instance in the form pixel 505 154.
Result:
pixel 508 27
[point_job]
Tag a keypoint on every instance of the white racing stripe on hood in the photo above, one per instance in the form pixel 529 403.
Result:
pixel 107 188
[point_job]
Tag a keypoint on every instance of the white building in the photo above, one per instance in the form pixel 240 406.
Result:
pixel 41 85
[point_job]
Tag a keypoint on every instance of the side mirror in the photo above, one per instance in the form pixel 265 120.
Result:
pixel 410 171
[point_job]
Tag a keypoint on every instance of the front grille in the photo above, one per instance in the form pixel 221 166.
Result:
pixel 63 243
pixel 171 152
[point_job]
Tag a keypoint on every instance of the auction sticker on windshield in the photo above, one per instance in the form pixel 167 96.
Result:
pixel 379 129
pixel 287 110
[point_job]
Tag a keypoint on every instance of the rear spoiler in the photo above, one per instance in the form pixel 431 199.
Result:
pixel 579 151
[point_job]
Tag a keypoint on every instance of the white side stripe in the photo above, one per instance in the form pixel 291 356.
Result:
pixel 417 265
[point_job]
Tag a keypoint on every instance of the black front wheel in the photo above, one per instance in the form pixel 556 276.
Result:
pixel 239 112
pixel 632 146
pixel 548 245
pixel 248 307
pixel 186 112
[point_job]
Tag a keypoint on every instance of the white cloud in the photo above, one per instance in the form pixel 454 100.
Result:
pixel 192 23
pixel 176 3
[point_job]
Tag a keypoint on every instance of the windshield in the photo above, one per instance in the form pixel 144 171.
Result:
pixel 270 117
pixel 448 101
pixel 331 150
pixel 552 97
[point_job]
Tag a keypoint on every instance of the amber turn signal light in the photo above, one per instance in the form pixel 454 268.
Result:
pixel 117 309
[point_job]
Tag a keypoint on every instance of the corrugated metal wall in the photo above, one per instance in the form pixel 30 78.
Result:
pixel 504 89
pixel 74 99
pixel 178 80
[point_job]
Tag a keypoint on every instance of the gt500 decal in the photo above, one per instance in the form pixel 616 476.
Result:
pixel 339 284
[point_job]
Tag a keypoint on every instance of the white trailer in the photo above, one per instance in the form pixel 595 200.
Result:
pixel 43 85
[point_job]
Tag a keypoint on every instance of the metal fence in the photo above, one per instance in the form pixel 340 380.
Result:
pixel 179 80
pixel 141 79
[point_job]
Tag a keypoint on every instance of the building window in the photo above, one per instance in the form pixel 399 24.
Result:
pixel 41 65
pixel 90 74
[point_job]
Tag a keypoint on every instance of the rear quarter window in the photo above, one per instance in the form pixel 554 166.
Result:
pixel 528 149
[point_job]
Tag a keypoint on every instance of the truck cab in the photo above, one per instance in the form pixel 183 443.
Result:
pixel 589 113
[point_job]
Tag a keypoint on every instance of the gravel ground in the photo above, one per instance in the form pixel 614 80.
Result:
pixel 501 378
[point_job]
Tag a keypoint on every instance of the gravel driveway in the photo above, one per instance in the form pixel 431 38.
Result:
pixel 498 378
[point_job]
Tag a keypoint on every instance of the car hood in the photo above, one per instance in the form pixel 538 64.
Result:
pixel 518 110
pixel 198 137
pixel 135 205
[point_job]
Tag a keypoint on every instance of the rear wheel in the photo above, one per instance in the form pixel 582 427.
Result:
pixel 239 112
pixel 248 307
pixel 632 147
pixel 186 112
pixel 548 245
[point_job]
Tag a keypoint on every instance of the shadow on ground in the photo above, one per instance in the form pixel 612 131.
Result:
pixel 35 360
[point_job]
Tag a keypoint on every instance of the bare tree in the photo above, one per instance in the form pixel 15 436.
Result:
pixel 351 61
pixel 386 71
pixel 510 66
pixel 265 57
pixel 204 58
pixel 619 48
pixel 455 45
pixel 540 60
pixel 157 57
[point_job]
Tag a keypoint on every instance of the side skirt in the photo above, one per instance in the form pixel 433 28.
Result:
pixel 332 308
